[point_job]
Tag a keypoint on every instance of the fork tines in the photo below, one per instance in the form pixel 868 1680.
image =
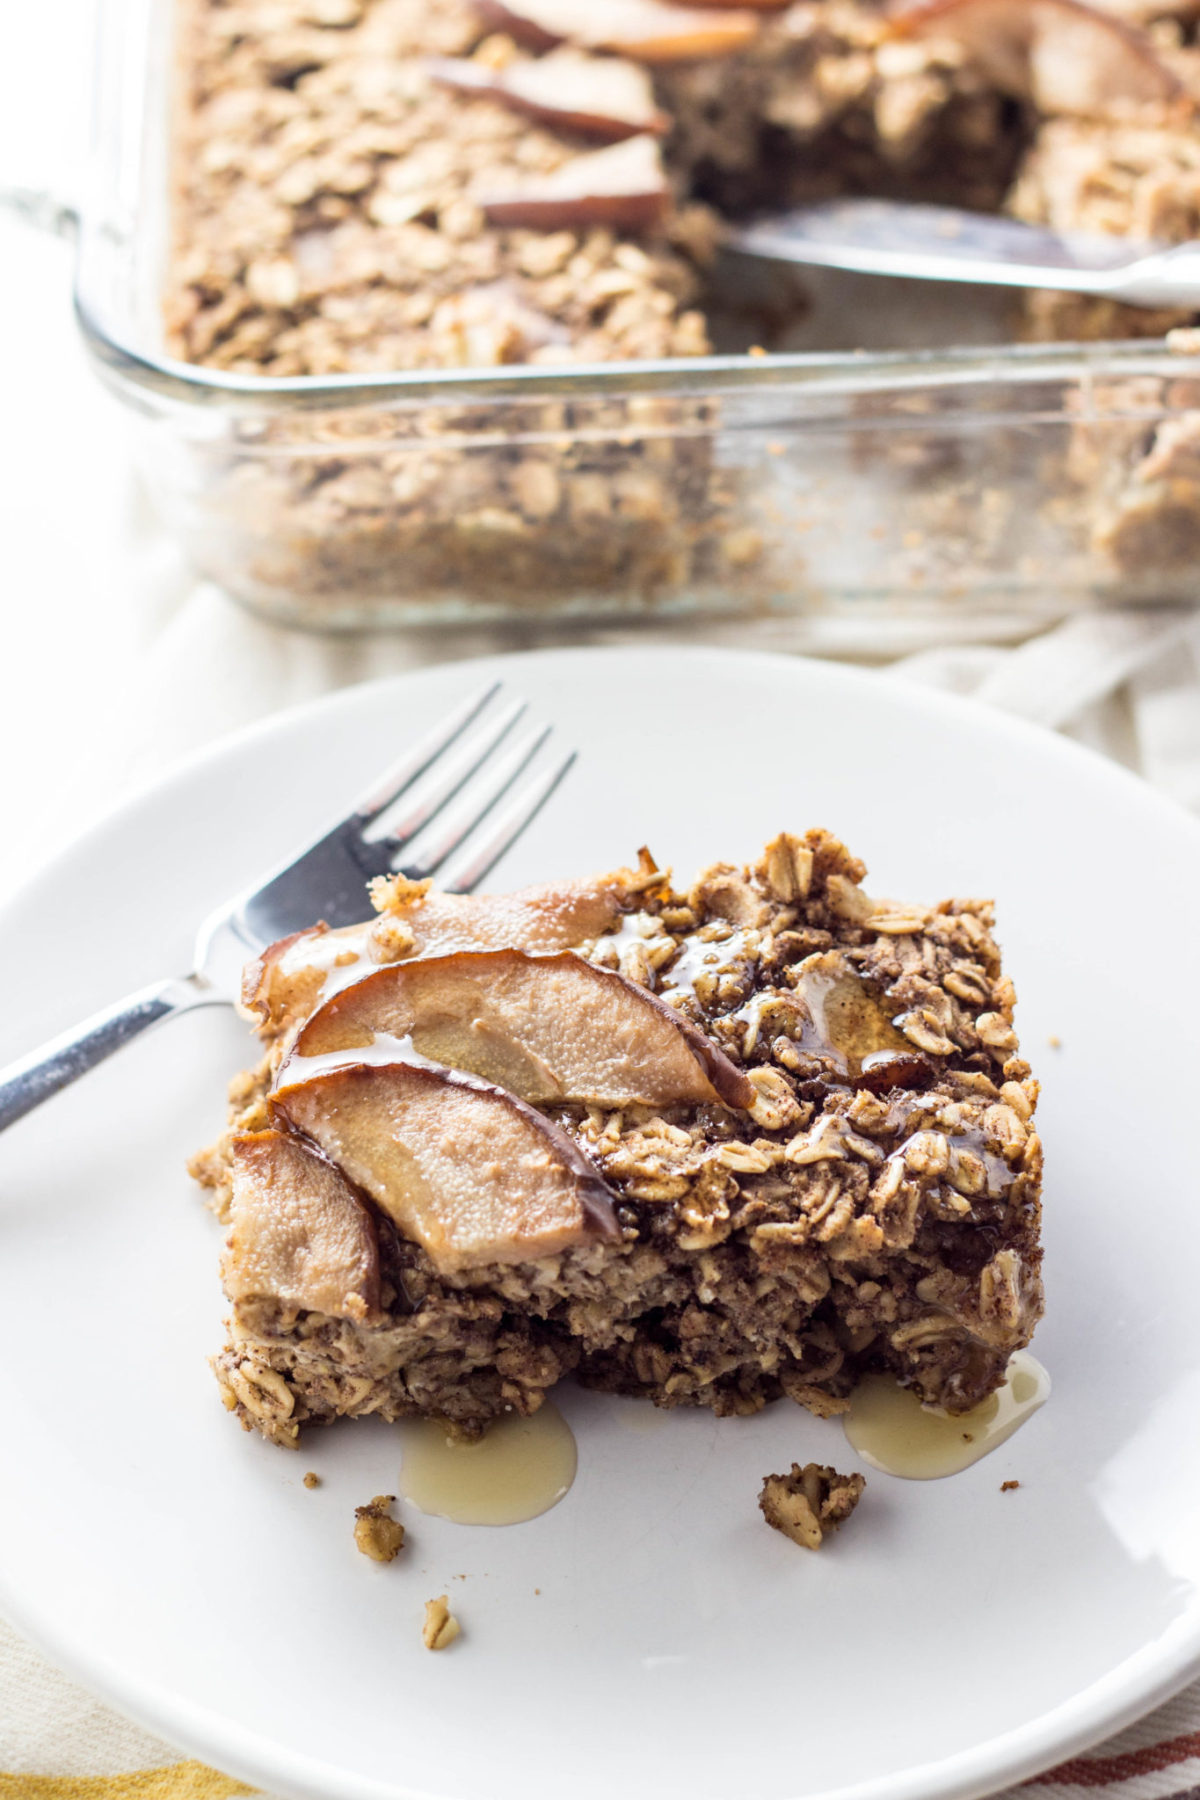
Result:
pixel 437 801
pixel 450 807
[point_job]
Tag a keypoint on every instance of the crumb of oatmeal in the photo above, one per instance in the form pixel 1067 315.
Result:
pixel 392 939
pixel 1007 1487
pixel 376 1533
pixel 440 1627
pixel 810 1502
pixel 1054 1041
pixel 312 1479
pixel 393 893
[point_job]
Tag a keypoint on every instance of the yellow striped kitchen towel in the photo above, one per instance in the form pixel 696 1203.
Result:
pixel 58 1743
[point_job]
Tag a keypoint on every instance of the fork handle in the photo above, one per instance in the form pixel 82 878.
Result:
pixel 25 1083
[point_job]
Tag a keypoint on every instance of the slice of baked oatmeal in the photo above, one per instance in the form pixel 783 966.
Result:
pixel 711 1146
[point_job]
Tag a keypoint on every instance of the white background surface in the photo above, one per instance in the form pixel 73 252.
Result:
pixel 66 496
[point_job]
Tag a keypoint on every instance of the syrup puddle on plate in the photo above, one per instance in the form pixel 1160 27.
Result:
pixel 518 1469
pixel 894 1433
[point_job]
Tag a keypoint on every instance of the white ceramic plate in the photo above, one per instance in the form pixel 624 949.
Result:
pixel 649 1637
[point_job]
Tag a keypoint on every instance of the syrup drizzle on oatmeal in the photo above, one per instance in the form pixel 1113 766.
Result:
pixel 518 1469
pixel 341 956
pixel 998 1178
pixel 893 1432
pixel 706 956
pixel 848 1018
pixel 634 928
pixel 382 1050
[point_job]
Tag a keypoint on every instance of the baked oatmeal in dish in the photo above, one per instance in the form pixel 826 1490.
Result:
pixel 712 1146
pixel 387 187
pixel 368 185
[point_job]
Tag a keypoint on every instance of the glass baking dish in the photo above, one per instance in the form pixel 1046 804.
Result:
pixel 874 499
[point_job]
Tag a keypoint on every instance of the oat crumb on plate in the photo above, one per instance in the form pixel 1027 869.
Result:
pixel 440 1627
pixel 376 1533
pixel 1007 1487
pixel 312 1479
pixel 810 1502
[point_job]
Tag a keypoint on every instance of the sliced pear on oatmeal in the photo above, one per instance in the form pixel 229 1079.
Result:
pixel 298 1232
pixel 598 96
pixel 470 1173
pixel 653 31
pixel 1061 56
pixel 548 1028
pixel 292 976
pixel 624 185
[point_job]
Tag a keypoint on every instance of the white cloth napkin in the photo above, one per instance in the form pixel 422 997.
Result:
pixel 1123 682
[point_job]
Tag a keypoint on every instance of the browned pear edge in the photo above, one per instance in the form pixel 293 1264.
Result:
pixel 924 16
pixel 728 1082
pixel 467 76
pixel 252 1140
pixel 539 211
pixel 527 32
pixel 512 20
pixel 595 1196
pixel 897 1069
pixel 734 1088
pixel 256 973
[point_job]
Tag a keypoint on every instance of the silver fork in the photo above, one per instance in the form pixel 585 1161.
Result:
pixel 944 243
pixel 453 775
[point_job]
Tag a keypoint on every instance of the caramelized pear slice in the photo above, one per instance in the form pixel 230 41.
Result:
pixel 600 96
pixel 1061 56
pixel 652 31
pixel 623 185
pixel 291 977
pixel 470 1173
pixel 547 1028
pixel 299 1233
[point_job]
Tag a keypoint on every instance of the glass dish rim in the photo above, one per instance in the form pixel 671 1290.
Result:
pixel 118 131
pixel 695 377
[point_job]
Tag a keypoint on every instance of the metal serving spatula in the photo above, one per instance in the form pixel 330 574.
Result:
pixel 942 243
